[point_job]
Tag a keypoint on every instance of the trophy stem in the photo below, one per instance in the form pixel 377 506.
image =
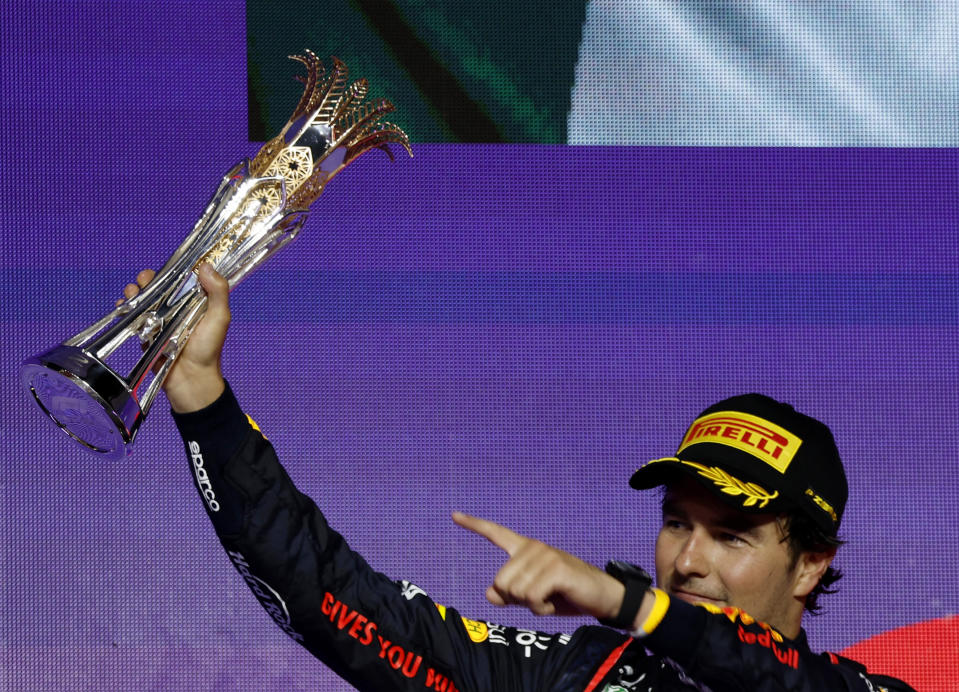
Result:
pixel 133 313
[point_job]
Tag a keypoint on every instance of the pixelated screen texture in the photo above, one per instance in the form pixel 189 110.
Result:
pixel 865 73
pixel 505 330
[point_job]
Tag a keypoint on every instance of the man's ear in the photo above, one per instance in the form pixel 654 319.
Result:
pixel 809 570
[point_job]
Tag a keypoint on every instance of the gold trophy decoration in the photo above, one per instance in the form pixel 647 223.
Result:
pixel 259 207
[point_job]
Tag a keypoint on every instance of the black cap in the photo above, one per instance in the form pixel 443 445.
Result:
pixel 759 455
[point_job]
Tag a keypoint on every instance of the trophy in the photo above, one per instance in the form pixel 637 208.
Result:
pixel 259 206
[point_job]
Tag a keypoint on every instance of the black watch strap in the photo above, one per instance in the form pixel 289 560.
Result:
pixel 637 582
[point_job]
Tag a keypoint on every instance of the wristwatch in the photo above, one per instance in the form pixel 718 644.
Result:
pixel 637 581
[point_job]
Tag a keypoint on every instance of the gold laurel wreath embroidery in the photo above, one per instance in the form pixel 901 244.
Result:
pixel 755 494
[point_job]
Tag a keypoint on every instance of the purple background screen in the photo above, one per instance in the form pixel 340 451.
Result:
pixel 509 330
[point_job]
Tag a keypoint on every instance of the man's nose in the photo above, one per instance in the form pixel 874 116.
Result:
pixel 691 560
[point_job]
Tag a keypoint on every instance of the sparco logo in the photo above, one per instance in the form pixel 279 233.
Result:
pixel 202 479
pixel 268 598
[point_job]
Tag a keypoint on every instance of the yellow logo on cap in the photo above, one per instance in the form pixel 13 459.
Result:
pixel 766 441
pixel 822 504
pixel 753 494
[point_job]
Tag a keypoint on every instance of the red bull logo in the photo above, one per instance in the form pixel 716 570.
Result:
pixel 783 653
pixel 766 441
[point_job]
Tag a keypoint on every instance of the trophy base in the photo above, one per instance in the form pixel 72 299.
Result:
pixel 85 399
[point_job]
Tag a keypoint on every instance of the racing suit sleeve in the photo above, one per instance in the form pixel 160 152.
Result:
pixel 727 649
pixel 375 633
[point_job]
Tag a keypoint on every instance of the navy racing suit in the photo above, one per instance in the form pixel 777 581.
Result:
pixel 380 634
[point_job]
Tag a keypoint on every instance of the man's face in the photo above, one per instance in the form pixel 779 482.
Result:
pixel 709 552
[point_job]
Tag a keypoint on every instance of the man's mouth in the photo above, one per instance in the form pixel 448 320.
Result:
pixel 693 597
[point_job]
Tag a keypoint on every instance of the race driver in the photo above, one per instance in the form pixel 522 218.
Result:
pixel 752 503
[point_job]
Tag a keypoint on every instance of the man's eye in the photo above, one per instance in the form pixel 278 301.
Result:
pixel 674 524
pixel 732 538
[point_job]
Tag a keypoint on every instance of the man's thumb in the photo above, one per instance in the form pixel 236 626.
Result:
pixel 217 290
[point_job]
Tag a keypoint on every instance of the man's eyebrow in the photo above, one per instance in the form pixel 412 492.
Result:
pixel 739 523
pixel 671 508
pixel 736 522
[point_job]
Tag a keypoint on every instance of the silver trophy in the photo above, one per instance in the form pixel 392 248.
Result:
pixel 259 206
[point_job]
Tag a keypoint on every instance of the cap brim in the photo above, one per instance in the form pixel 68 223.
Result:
pixel 657 472
pixel 724 484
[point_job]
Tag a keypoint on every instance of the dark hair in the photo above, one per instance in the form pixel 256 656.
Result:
pixel 804 536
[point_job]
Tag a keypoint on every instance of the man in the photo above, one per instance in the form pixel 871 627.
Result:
pixel 752 503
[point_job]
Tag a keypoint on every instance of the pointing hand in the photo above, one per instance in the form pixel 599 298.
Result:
pixel 544 579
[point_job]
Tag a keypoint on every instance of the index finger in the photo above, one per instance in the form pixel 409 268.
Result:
pixel 497 534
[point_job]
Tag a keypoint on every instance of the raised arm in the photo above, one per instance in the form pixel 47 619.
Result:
pixel 376 633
